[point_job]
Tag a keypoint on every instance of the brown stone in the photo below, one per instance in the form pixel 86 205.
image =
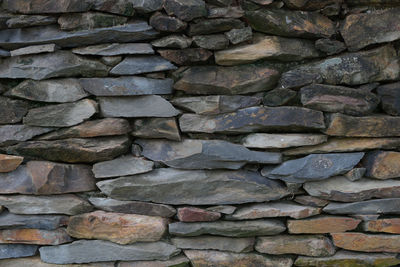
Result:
pixel 390 225
pixel 34 236
pixel 156 128
pixel 367 242
pixel 186 56
pixel 311 201
pixel 322 225
pixel 117 227
pixel 9 163
pixel 192 214
pixel 382 164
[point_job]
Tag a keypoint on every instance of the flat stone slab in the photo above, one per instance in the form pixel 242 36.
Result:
pixel 142 64
pixel 390 225
pixel 34 49
pixel 115 49
pixel 179 260
pixel 186 10
pixel 35 236
pixel 122 166
pixel 237 245
pixel 11 134
pixel 382 164
pixel 157 128
pixel 52 6
pixel 367 242
pixel 173 41
pixel 264 140
pixel 374 206
pixel 193 214
pixel 37 262
pixel 12 110
pixel 9 163
pixel 45 222
pixel 8 251
pixel 322 225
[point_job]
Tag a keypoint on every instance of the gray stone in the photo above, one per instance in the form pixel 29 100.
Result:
pixel 89 20
pixel 204 154
pixel 177 261
pixel 132 207
pixel 224 209
pixel 208 26
pixel 279 97
pixel 120 7
pixel 4 53
pixel 226 228
pixel 34 49
pixel 166 23
pixel 157 128
pixel 330 47
pixel 263 140
pixel 46 222
pixel 48 6
pixel 237 36
pixel 147 6
pixel 188 56
pixel 314 167
pixel 225 12
pixel 374 206
pixel 61 204
pixel 115 49
pixel 343 190
pixel 211 41
pixel 173 41
pixel 11 134
pixel 17 250
pixel 51 65
pixel 111 60
pixel 84 251
pixel 186 9
pixel 11 110
pixel 22 21
pixel 390 98
pixel 171 186
pixel 136 106
pixel 55 90
pixel 61 115
pixel 122 166
pixel 215 242
pixel 142 64
pixel 355 174
pixel 126 86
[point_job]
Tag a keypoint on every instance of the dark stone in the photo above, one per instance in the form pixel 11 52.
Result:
pixel 237 36
pixel 11 134
pixel 157 128
pixel 120 7
pixel 46 222
pixel 147 6
pixel 225 12
pixel 186 56
pixel 279 97
pixel 390 98
pixel 186 9
pixel 89 20
pixel 115 49
pixel 211 41
pixel 22 21
pixel 208 26
pixel 330 47
pixel 382 164
pixel 17 250
pixel 142 64
pixel 165 23
pixel 46 6
pixel 173 41
pixel 374 206
pixel 12 111
pixel 311 5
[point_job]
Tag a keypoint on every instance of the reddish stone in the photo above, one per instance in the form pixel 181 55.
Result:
pixel 322 225
pixel 383 225
pixel 34 236
pixel 9 163
pixel 192 214
pixel 367 242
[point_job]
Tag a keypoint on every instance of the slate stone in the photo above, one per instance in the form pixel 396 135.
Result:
pixel 171 186
pixel 61 204
pixel 279 97
pixel 211 41
pixel 382 164
pixel 237 36
pixel 126 86
pixel 35 236
pixel 156 128
pixel 237 245
pixel 165 23
pixel 226 228
pixel 61 115
pixel 141 64
pixel 45 222
pixel 208 258
pixel 224 209
pixel 130 32
pixel 390 97
pixel 311 201
pixel 173 41
pixel 55 90
pixel 51 65
pixel 185 9
pixel 4 53
pixel 255 119
pixel 330 47
pixel 208 26
pixel 34 49
pixel 267 48
pixel 11 134
pixel 147 6
pixel 17 250
pixel 122 166
pixel 374 206
pixel 322 225
pixel 74 150
pixel 227 80
pixel 224 12
pixel 9 163
pixel 115 49
pixel 120 7
pixel 177 261
pixel 366 242
pixel 111 60
pixel 220 2
pixel 84 251
pixel 310 5
pixel 89 20
pixel 11 110
pixel 389 225
pixel 355 174
pixel 263 140
pixel 133 207
pixel 193 214
pixel 22 21
pixel 314 167
pixel 349 68
pixel 290 23
pixel 47 6
pixel 188 56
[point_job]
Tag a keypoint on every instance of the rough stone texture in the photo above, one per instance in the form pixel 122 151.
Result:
pixel 237 245
pixel 225 228
pixel 141 64
pixel 389 94
pixel 34 49
pixel 37 262
pixel 322 225
pixel 89 20
pixel 237 36
pixel 120 7
pixel 224 209
pixel 17 250
pixel 170 186
pixel 122 166
pixel 330 47
pixel 308 245
pixel 11 134
pixel 211 41
pixel 84 251
pixel 177 261
pixel 12 110
pixel 208 26
pixel 310 5
pixel 147 6
pixel 165 23
pixel 382 164
pixel 45 222
pixel 49 6
pixel 173 41
pixel 355 174
pixel 188 56
pixel 156 128
pixel 279 97
pixel 311 201
pixel 22 21
pixel 186 9
pixel 382 225
pixel 193 214
pixel 259 140
pixel 367 242
pixel 115 49
pixel 374 206
pixel 204 154
pixel 35 236
pixel 9 163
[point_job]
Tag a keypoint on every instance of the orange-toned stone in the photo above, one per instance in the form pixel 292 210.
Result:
pixel 35 236
pixel 117 227
pixel 391 225
pixel 367 242
pixel 382 164
pixel 192 214
pixel 322 225
pixel 9 163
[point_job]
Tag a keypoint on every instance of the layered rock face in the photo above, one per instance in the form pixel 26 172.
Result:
pixel 199 133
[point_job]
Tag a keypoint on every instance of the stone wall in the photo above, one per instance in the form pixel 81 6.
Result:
pixel 218 133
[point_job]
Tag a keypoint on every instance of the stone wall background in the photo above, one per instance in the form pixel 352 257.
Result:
pixel 199 133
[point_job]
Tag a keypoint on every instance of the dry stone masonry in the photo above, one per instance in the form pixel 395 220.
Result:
pixel 199 133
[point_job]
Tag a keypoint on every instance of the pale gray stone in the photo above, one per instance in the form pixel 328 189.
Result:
pixel 122 166
pixel 173 41
pixel 263 140
pixel 22 21
pixel 215 242
pixel 17 250
pixel 177 261
pixel 11 134
pixel 147 6
pixel 115 49
pixel 46 222
pixel 34 49
pixel 142 64
pixel 224 209
pixel 374 206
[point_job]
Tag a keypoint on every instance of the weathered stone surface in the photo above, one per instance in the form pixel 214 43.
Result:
pixel 348 258
pixel 61 115
pixel 382 164
pixel 126 86
pixel 314 167
pixel 125 165
pixel 134 207
pixel 130 32
pixel 37 262
pixel 226 228
pixel 308 245
pixel 120 7
pixel 16 251
pixel 89 20
pixel 115 49
pixel 157 128
pixel 259 140
pixel 224 12
pixel 204 154
pixel 390 97
pixel 374 206
pixel 9 163
pixel 111 60
pixel 367 242
pixel 193 214
pixel 186 9
pixel 56 90
pixel 227 80
pixel 341 99
pixel 378 64
pixel 341 189
pixel 136 106
pixel 147 6
pixel 254 119
pixel 310 4
pixel 12 111
pixel 22 21
pixel 173 41
pixel 34 49
pixel 274 209
pixel 45 222
pixel 84 251
pixel 170 186
pixel 117 227
pixel 267 47
pixel 177 261
pixel 290 23
pixel 209 258
pixel 165 23
pixel 49 6
pixel 61 204
pixel 330 47
pixel 74 149
pixel 390 225
pixel 186 56
pixel 35 236
pixel 4 53
pixel 237 36
pixel 11 134
pixel 366 217
pixel 215 242
pixel 224 209
pixel 311 201
pixel 279 97
pixel 211 41
pixel 322 225
pixel 355 174
pixel 93 128
pixel 208 26
pixel 141 64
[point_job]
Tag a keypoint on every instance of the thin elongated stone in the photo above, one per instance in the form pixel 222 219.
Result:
pixel 238 245
pixel 322 225
pixel 22 21
pixel 115 49
pixel 193 214
pixel 49 6
pixel 142 64
pixel 390 225
pixel 34 49
pixel 45 222
pixel 177 261
pixel 89 20
pixel 367 242
pixel 259 140
pixel 37 262
pixel 122 166
pixel 374 206
pixel 208 26
pixel 11 134
pixel 9 163
pixel 8 251
pixel 35 236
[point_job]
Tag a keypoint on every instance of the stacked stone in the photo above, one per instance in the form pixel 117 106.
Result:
pixel 199 133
